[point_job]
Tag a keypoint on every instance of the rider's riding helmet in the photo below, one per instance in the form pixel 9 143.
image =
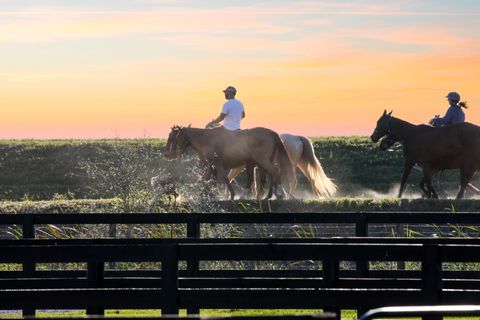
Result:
pixel 230 89
pixel 454 96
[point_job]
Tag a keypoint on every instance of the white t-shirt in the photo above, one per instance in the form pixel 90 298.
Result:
pixel 233 110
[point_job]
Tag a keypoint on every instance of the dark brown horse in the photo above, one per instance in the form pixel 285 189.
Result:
pixel 434 149
pixel 227 150
pixel 388 141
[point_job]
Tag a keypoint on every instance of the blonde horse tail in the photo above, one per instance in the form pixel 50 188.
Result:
pixel 286 167
pixel 322 186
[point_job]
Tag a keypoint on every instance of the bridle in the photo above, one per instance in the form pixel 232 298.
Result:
pixel 388 127
pixel 172 143
pixel 389 124
pixel 185 143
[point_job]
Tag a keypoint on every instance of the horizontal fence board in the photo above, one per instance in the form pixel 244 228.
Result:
pixel 297 251
pixel 207 299
pixel 319 240
pixel 247 218
pixel 200 283
pixel 80 298
pixel 296 299
pixel 232 251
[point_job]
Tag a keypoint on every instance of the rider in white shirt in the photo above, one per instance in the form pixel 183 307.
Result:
pixel 232 111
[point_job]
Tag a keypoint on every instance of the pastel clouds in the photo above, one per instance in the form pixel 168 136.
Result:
pixel 310 67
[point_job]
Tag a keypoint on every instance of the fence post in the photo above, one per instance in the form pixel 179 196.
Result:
pixel 361 230
pixel 330 279
pixel 400 232
pixel 170 280
pixel 28 268
pixel 95 277
pixel 432 277
pixel 112 233
pixel 193 232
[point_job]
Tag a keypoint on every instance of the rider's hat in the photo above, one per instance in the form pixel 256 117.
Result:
pixel 453 96
pixel 230 89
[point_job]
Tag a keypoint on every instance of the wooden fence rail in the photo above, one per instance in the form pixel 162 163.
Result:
pixel 360 220
pixel 172 289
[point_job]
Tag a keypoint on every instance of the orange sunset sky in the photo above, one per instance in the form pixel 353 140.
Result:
pixel 133 68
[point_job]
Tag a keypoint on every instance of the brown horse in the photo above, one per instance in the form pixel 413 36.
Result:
pixel 389 140
pixel 227 150
pixel 434 149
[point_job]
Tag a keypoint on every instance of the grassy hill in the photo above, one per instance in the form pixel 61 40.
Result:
pixel 40 170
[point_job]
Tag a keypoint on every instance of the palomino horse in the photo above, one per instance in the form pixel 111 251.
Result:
pixel 227 150
pixel 303 157
pixel 434 149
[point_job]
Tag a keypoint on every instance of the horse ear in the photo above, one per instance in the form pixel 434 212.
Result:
pixel 189 126
pixel 385 112
pixel 390 113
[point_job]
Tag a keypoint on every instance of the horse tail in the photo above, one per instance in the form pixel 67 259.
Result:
pixel 287 170
pixel 322 186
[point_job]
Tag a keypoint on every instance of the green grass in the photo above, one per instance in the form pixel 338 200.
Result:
pixel 346 314
pixel 39 169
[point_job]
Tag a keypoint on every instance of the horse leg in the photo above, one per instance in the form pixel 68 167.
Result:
pixel 253 190
pixel 250 178
pixel 273 173
pixel 235 172
pixel 263 183
pixel 424 189
pixel 407 168
pixel 466 173
pixel 427 174
pixel 209 172
pixel 222 173
pixel 232 175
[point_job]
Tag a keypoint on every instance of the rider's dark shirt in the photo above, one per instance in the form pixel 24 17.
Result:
pixel 454 115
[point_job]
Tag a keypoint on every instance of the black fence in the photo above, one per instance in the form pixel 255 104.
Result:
pixel 171 289
pixel 360 220
pixel 182 283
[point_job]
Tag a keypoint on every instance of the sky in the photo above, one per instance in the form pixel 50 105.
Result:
pixel 133 68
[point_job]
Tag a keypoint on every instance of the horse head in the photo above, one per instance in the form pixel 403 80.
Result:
pixel 172 145
pixel 177 142
pixel 383 126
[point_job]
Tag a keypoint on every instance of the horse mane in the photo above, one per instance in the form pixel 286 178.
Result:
pixel 176 128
